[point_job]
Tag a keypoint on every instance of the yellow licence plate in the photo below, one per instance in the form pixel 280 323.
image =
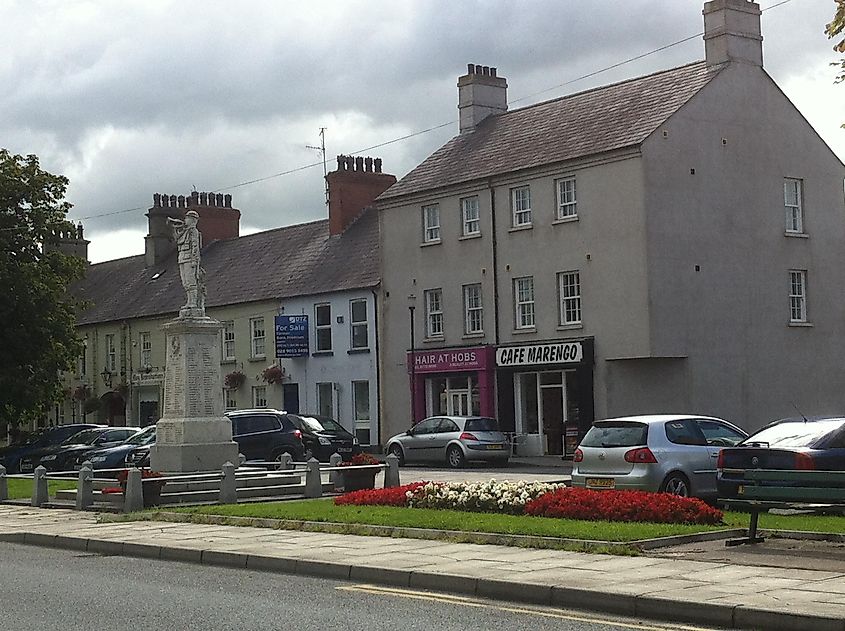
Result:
pixel 600 483
pixel 494 446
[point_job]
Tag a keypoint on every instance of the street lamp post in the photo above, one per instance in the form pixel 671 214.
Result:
pixel 411 305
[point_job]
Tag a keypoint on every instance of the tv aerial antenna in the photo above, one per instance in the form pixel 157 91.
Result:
pixel 322 150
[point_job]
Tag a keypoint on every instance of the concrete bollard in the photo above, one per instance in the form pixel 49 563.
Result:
pixel 313 479
pixel 241 460
pixel 85 487
pixel 228 485
pixel 285 462
pixel 133 497
pixel 335 477
pixel 391 474
pixel 40 495
pixel 4 484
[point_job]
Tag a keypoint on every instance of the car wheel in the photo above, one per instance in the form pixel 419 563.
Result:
pixel 277 458
pixel 455 457
pixel 676 484
pixel 396 450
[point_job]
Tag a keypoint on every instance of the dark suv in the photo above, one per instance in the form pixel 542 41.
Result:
pixel 262 434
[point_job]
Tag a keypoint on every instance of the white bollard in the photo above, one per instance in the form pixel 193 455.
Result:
pixel 40 494
pixel 133 498
pixel 85 487
pixel 335 477
pixel 4 484
pixel 313 479
pixel 391 475
pixel 228 486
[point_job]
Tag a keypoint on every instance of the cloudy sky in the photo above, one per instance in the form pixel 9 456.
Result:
pixel 129 99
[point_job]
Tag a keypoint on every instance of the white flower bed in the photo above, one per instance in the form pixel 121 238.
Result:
pixel 488 497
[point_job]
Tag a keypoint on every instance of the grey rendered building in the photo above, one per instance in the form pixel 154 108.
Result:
pixel 671 243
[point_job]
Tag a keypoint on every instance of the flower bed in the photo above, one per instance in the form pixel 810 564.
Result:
pixel 394 496
pixel 485 497
pixel 586 504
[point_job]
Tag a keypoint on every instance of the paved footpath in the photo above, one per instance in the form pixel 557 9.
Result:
pixel 719 594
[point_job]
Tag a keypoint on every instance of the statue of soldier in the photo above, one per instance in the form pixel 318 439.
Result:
pixel 189 242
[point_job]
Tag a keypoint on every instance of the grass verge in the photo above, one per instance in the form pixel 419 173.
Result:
pixel 22 489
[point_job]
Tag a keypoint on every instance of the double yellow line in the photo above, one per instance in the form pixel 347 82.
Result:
pixel 485 604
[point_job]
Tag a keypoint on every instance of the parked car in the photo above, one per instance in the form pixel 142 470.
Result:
pixel 323 436
pixel 262 434
pixel 10 456
pixel 817 443
pixel 669 453
pixel 115 457
pixel 61 457
pixel 455 439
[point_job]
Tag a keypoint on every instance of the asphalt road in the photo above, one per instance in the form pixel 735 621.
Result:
pixel 48 590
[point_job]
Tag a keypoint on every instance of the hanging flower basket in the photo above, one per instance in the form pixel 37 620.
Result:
pixel 273 374
pixel 234 380
pixel 81 393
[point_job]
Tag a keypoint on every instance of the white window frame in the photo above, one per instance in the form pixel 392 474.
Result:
pixel 567 204
pixel 473 309
pixel 146 349
pixel 569 293
pixel 470 216
pixel 257 338
pixel 323 387
pixel 521 206
pixel 228 343
pixel 793 208
pixel 322 327
pixel 433 313
pixel 83 359
pixel 111 353
pixel 259 396
pixel 797 296
pixel 358 324
pixel 361 424
pixel 229 401
pixel 523 302
pixel 431 223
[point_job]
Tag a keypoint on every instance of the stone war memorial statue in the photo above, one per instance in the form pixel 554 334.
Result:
pixel 193 434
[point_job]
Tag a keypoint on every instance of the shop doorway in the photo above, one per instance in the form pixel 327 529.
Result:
pixel 452 396
pixel 541 407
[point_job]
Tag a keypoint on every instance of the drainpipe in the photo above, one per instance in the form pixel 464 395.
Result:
pixel 495 263
pixel 377 336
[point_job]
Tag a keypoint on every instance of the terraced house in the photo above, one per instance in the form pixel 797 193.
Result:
pixel 670 243
pixel 320 279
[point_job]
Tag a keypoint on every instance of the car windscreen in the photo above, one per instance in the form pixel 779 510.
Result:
pixel 481 425
pixel 616 434
pixel 794 434
pixel 85 437
pixel 323 424
pixel 144 437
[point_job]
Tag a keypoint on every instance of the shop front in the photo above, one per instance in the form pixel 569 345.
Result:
pixel 146 392
pixel 545 395
pixel 452 381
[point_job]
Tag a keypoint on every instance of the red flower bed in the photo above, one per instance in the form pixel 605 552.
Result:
pixel 394 496
pixel 573 503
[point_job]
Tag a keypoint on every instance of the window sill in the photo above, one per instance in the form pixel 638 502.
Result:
pixel 472 336
pixel 233 360
pixel 796 235
pixel 528 226
pixel 322 353
pixel 355 351
pixel 467 237
pixel 565 220
pixel 801 325
pixel 570 327
pixel 428 244
pixel 258 358
pixel 525 331
pixel 434 340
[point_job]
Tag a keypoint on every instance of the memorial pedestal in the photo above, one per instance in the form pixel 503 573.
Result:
pixel 193 434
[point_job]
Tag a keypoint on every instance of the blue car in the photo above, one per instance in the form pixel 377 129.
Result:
pixel 10 457
pixel 114 457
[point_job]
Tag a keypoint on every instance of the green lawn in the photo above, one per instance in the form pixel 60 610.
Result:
pixel 22 489
pixel 324 510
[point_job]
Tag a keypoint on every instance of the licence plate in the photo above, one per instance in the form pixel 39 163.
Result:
pixel 600 483
pixel 26 466
pixel 344 448
pixel 494 446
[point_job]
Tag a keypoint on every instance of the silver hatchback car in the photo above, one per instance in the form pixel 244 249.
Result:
pixel 669 453
pixel 455 439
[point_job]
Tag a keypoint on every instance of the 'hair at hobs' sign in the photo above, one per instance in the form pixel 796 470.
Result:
pixel 451 359
pixel 559 353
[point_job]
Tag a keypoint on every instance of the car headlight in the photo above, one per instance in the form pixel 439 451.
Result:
pixel 98 459
pixel 324 441
pixel 48 458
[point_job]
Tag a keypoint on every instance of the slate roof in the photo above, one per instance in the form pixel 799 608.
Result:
pixel 276 264
pixel 598 120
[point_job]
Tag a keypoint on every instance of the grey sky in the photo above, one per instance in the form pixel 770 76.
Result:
pixel 161 96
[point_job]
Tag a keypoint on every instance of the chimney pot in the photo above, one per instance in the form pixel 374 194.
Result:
pixel 220 200
pixel 173 201
pixel 203 199
pixel 470 68
pixel 181 200
pixel 377 165
pixel 492 72
pixel 157 200
pixel 359 163
pixel 227 201
pixel 485 71
pixel 368 164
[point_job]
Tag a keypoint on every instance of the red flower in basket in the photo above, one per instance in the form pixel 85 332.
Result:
pixel 358 460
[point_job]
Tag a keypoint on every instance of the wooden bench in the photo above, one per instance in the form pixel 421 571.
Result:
pixel 772 488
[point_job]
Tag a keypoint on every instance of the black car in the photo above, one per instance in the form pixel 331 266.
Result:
pixel 62 457
pixel 323 436
pixel 10 457
pixel 816 443
pixel 115 457
pixel 262 434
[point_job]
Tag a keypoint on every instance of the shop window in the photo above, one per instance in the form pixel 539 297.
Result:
pixel 325 399
pixel 528 419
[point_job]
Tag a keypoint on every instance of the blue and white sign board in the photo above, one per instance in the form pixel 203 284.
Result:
pixel 291 335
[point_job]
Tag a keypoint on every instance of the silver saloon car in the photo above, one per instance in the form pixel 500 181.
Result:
pixel 669 453
pixel 455 439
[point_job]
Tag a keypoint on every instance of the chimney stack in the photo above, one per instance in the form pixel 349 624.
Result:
pixel 732 32
pixel 69 240
pixel 354 187
pixel 480 94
